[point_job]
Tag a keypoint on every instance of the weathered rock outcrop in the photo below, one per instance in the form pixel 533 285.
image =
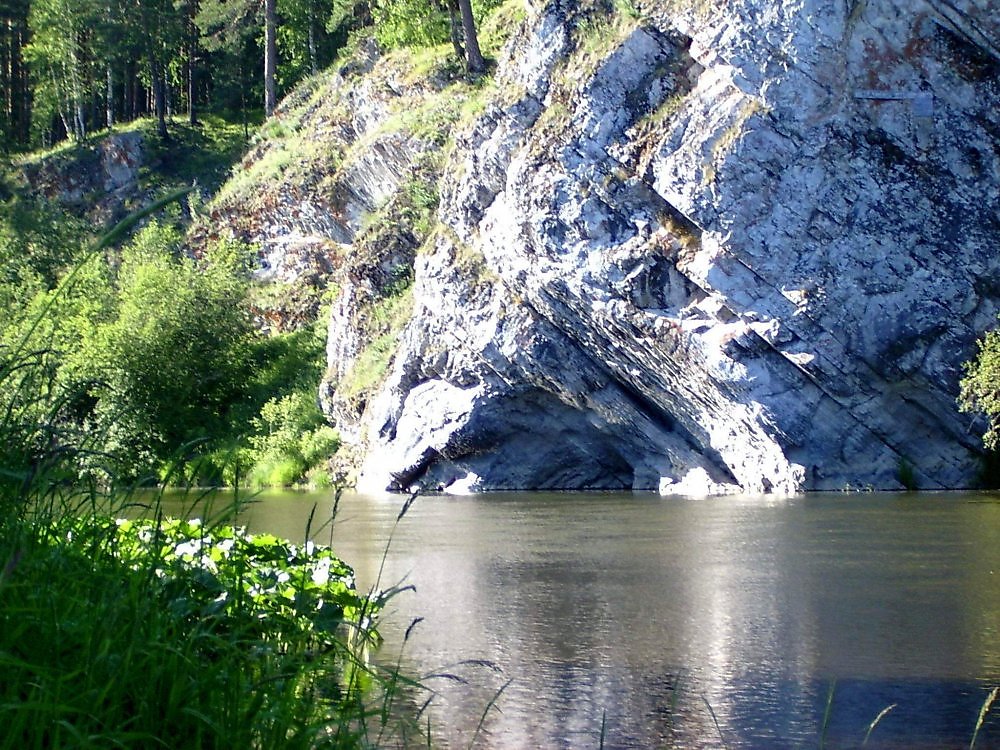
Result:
pixel 741 247
pixel 313 194
pixel 702 247
pixel 97 179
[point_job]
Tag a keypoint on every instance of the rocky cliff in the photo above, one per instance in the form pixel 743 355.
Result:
pixel 95 180
pixel 692 246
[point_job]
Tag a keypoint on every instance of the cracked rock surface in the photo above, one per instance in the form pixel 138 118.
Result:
pixel 744 247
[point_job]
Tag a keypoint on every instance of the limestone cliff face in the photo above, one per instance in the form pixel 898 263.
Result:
pixel 742 246
pixel 702 247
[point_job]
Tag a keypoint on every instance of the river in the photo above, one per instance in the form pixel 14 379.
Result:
pixel 634 621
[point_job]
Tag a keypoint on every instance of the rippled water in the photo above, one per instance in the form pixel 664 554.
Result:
pixel 718 622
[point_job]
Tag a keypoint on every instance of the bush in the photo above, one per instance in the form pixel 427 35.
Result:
pixel 980 388
pixel 291 439
pixel 169 361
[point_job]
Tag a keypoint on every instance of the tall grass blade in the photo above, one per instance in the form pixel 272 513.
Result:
pixel 715 721
pixel 604 728
pixel 482 719
pixel 987 704
pixel 826 714
pixel 881 715
pixel 406 505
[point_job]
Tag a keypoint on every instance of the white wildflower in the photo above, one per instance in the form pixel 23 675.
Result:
pixel 321 573
pixel 191 547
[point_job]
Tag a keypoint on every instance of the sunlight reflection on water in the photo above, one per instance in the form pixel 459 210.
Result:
pixel 687 623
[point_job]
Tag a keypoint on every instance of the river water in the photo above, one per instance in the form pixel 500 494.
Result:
pixel 634 621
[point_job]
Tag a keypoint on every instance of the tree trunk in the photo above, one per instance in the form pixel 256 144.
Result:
pixel 128 95
pixel 159 96
pixel 192 54
pixel 454 14
pixel 313 64
pixel 270 56
pixel 79 122
pixel 192 92
pixel 110 93
pixel 473 57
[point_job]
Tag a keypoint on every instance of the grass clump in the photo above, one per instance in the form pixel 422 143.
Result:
pixel 728 138
pixel 387 318
pixel 171 633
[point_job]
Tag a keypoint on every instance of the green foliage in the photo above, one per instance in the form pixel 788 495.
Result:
pixel 418 23
pixel 388 317
pixel 283 589
pixel 37 243
pixel 906 474
pixel 67 63
pixel 408 23
pixel 170 633
pixel 157 369
pixel 171 360
pixel 291 437
pixel 498 24
pixel 163 633
pixel 980 388
pixel 203 154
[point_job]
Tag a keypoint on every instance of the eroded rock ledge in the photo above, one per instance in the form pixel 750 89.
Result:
pixel 706 247
pixel 744 248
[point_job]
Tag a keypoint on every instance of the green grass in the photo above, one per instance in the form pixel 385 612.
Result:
pixel 388 316
pixel 173 634
pixel 163 633
pixel 204 153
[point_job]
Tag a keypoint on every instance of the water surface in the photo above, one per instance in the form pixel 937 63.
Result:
pixel 719 622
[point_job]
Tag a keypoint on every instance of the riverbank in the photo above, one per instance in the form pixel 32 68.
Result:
pixel 175 633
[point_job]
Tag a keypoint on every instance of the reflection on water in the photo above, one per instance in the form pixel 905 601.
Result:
pixel 687 623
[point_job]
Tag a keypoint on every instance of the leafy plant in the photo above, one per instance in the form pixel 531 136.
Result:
pixel 291 438
pixel 980 388
pixel 170 361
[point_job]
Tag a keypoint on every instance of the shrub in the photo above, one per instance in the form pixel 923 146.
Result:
pixel 980 388
pixel 292 438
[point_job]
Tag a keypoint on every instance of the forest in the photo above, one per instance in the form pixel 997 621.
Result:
pixel 140 349
pixel 71 67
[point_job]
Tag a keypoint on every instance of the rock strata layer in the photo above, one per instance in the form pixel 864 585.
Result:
pixel 735 248
pixel 741 246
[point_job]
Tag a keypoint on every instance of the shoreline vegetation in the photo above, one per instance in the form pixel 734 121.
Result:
pixel 150 631
pixel 120 627
pixel 151 347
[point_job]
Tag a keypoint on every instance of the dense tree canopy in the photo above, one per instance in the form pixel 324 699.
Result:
pixel 69 67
